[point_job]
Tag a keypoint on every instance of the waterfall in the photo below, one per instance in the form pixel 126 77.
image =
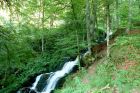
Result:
pixel 45 83
pixel 36 81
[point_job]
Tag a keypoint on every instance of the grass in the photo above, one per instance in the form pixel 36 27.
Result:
pixel 119 75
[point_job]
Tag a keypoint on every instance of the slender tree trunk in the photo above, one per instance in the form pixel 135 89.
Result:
pixel 18 16
pixel 18 19
pixel 94 18
pixel 116 14
pixel 52 20
pixel 43 14
pixel 39 16
pixel 107 25
pixel 129 16
pixel 88 25
pixel 78 49
pixel 75 25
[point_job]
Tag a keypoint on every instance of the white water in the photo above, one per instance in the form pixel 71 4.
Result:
pixel 55 77
pixel 36 81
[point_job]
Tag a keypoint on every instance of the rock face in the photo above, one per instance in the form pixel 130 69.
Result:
pixel 24 90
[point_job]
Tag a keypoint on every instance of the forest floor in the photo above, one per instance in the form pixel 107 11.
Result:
pixel 118 75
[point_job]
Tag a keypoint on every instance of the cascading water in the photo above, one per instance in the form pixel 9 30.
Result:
pixel 36 81
pixel 45 83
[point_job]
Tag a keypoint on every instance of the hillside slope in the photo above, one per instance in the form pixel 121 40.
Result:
pixel 119 75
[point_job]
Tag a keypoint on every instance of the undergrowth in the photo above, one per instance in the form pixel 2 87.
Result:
pixel 119 75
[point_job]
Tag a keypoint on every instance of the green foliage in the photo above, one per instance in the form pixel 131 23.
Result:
pixel 22 29
pixel 25 57
pixel 112 75
pixel 76 86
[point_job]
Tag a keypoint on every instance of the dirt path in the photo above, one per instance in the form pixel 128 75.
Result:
pixel 91 70
pixel 126 65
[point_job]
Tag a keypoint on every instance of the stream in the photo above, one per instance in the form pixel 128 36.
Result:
pixel 46 83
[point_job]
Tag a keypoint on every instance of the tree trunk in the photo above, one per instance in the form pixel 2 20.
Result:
pixel 88 25
pixel 107 25
pixel 39 16
pixel 129 16
pixel 116 14
pixel 75 24
pixel 94 18
pixel 43 14
pixel 78 48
